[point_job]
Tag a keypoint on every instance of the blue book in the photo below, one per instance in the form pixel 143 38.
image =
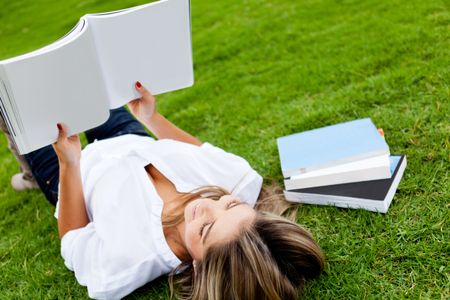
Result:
pixel 330 146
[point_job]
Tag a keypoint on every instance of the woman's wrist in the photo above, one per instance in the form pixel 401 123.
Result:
pixel 149 123
pixel 67 165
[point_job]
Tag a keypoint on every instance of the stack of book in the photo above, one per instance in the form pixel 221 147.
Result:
pixel 345 165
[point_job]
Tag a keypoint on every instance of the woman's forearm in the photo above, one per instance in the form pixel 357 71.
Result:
pixel 72 210
pixel 164 129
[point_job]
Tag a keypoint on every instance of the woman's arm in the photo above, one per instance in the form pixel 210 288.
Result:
pixel 164 129
pixel 72 211
pixel 144 109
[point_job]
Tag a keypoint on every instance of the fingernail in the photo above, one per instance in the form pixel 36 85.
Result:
pixel 59 126
pixel 138 84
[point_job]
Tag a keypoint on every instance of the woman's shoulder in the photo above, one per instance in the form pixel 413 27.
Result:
pixel 190 167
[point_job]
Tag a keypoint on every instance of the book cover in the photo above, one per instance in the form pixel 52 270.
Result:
pixel 77 79
pixel 375 195
pixel 330 146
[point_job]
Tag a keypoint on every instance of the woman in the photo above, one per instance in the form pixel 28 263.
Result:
pixel 130 209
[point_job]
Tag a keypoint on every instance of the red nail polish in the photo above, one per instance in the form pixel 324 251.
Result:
pixel 138 84
pixel 59 126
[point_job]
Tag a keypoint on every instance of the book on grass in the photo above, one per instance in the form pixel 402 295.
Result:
pixel 362 170
pixel 92 69
pixel 374 195
pixel 330 146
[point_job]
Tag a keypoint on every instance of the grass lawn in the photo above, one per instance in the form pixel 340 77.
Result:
pixel 268 68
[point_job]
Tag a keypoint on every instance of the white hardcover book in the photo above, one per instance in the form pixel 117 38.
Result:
pixel 79 78
pixel 366 169
pixel 374 195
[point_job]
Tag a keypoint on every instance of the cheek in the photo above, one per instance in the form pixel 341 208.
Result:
pixel 193 242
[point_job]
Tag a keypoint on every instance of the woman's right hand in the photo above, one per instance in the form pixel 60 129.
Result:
pixel 143 108
pixel 67 148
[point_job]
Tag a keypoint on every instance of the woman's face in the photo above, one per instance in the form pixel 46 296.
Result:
pixel 208 222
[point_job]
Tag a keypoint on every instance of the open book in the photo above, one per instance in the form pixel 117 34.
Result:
pixel 93 68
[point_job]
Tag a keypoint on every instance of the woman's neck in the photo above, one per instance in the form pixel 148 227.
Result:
pixel 174 237
pixel 167 192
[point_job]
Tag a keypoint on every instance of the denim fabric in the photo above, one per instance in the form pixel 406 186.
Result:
pixel 44 162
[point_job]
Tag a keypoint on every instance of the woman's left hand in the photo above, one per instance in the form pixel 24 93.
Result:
pixel 67 148
pixel 143 108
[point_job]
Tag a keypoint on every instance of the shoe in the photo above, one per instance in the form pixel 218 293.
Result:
pixel 20 183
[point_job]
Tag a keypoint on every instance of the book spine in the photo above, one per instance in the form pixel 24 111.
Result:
pixel 11 104
pixel 391 193
pixel 3 104
pixel 375 173
pixel 293 172
pixel 5 116
pixel 337 201
pixel 9 112
pixel 7 120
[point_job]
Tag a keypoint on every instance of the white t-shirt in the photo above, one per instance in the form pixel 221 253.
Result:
pixel 123 247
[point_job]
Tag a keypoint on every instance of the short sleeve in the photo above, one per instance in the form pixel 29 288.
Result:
pixel 250 182
pixel 80 249
pixel 86 254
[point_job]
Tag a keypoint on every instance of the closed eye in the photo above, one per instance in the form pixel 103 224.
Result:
pixel 232 203
pixel 202 228
pixel 229 206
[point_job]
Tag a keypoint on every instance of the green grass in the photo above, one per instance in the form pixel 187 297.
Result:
pixel 265 69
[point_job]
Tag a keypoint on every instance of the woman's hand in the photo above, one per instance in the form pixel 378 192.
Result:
pixel 143 108
pixel 68 149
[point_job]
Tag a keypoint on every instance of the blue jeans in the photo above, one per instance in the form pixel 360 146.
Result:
pixel 44 162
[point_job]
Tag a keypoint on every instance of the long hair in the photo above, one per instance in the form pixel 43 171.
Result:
pixel 271 259
pixel 176 213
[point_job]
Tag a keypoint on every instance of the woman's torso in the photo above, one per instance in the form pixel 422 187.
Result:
pixel 129 184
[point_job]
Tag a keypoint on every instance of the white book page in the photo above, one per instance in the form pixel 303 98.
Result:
pixel 149 43
pixel 72 34
pixel 64 85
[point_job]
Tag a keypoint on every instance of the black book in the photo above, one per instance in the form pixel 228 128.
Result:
pixel 374 195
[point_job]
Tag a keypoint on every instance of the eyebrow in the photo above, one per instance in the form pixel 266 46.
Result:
pixel 212 224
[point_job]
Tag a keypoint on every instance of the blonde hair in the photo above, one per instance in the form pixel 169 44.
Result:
pixel 271 259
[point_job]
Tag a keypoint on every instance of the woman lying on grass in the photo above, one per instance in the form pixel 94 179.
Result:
pixel 131 208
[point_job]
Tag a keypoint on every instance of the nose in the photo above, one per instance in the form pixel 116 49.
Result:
pixel 209 207
pixel 212 208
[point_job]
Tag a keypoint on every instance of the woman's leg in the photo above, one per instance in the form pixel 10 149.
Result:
pixel 44 162
pixel 120 122
pixel 45 168
pixel 23 180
